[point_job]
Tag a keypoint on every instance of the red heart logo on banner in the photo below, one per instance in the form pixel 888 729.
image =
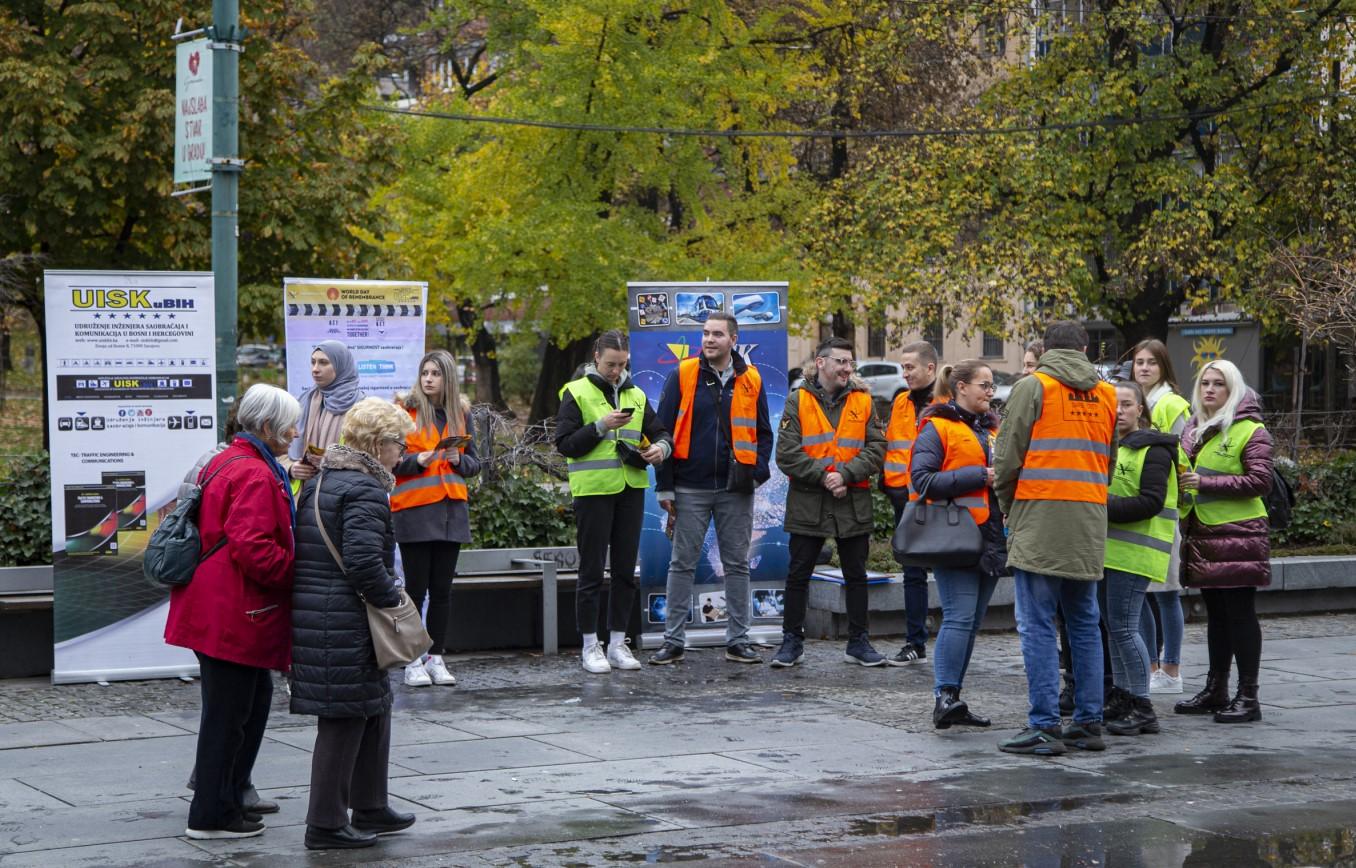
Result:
pixel 193 61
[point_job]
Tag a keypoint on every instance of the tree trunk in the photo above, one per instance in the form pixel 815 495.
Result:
pixel 558 365
pixel 484 350
pixel 1153 308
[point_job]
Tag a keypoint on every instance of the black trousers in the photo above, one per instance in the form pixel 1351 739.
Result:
pixel 1232 631
pixel 429 569
pixel 852 553
pixel 349 768
pixel 606 522
pixel 1066 659
pixel 235 704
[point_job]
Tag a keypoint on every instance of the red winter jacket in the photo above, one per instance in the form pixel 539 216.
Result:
pixel 239 605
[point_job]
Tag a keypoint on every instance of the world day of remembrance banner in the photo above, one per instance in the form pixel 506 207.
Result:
pixel 666 327
pixel 131 378
pixel 381 321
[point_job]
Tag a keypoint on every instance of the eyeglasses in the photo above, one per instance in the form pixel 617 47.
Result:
pixel 843 363
pixel 988 387
pixel 395 442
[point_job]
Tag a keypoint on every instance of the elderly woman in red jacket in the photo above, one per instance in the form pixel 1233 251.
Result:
pixel 236 612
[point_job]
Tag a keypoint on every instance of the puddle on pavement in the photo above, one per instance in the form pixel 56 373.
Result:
pixel 950 819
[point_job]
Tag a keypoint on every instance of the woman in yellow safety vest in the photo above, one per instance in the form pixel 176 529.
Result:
pixel 429 504
pixel 1227 553
pixel 609 436
pixel 1162 623
pixel 1142 519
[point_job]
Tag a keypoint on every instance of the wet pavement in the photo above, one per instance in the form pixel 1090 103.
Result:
pixel 529 761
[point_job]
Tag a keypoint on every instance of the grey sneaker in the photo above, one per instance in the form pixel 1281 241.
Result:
pixel 791 652
pixel 742 653
pixel 670 653
pixel 859 651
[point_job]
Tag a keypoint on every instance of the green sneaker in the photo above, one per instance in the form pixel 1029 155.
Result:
pixel 1039 742
pixel 1084 736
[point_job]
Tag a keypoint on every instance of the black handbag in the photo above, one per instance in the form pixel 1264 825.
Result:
pixel 936 535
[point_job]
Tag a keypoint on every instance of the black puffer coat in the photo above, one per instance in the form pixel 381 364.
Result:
pixel 334 669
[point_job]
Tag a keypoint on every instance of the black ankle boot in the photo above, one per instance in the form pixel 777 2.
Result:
pixel 1117 703
pixel 949 709
pixel 1137 718
pixel 1066 697
pixel 970 718
pixel 1215 696
pixel 1244 708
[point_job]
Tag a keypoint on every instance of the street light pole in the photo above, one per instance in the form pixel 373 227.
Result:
pixel 226 167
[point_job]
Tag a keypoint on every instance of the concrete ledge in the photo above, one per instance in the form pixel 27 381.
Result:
pixel 1298 585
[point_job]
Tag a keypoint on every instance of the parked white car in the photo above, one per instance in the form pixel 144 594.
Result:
pixel 884 378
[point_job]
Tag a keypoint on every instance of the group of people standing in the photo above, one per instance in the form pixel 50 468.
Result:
pixel 301 514
pixel 1095 498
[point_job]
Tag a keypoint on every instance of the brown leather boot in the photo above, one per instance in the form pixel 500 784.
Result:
pixel 1215 696
pixel 1244 708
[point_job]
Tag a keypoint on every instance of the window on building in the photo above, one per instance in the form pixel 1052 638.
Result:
pixel 933 333
pixel 993 346
pixel 875 340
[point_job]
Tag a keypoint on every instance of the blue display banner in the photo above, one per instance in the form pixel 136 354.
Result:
pixel 666 321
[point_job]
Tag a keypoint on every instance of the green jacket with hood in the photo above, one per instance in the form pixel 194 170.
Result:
pixel 810 509
pixel 1051 537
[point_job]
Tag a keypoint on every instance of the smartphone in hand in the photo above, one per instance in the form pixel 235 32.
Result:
pixel 457 441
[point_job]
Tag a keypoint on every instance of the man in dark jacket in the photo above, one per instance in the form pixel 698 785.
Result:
pixel 716 407
pixel 829 446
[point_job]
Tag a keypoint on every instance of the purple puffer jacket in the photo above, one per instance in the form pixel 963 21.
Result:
pixel 1236 555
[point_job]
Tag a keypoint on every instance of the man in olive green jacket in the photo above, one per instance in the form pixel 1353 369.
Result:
pixel 1056 547
pixel 823 502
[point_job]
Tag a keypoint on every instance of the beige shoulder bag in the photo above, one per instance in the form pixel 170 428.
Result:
pixel 398 634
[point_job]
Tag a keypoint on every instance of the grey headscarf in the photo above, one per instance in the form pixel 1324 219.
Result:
pixel 343 392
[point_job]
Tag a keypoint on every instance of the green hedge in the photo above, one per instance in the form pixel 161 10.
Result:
pixel 1325 503
pixel 25 510
pixel 520 511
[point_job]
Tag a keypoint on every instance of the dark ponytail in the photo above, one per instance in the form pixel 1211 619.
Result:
pixel 612 339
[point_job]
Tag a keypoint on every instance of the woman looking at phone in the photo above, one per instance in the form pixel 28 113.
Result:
pixel 428 505
pixel 609 435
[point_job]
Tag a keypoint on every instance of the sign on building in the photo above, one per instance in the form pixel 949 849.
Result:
pixel 193 112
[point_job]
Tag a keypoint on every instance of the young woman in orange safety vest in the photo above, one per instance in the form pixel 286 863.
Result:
pixel 952 460
pixel 428 505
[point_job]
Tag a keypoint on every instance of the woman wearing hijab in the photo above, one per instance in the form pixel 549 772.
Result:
pixel 334 377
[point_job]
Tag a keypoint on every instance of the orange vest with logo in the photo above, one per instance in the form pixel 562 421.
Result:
pixel 899 436
pixel 743 411
pixel 1069 457
pixel 439 481
pixel 830 448
pixel 961 449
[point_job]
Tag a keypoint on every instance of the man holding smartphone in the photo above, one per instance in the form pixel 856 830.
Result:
pixel 716 407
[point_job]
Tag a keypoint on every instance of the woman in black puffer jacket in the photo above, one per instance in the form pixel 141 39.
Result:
pixel 334 669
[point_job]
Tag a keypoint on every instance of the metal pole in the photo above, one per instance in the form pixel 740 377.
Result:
pixel 226 166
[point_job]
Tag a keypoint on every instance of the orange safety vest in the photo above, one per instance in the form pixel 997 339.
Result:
pixel 961 449
pixel 743 411
pixel 439 481
pixel 899 436
pixel 831 448
pixel 1069 456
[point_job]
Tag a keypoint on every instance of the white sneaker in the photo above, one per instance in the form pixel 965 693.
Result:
pixel 437 670
pixel 595 661
pixel 416 675
pixel 1162 682
pixel 620 657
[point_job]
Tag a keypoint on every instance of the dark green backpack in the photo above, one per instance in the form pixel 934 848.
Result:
pixel 175 549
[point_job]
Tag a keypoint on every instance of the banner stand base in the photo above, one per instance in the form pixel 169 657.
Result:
pixel 714 637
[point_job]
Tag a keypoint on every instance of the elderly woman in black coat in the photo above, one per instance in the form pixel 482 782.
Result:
pixel 334 669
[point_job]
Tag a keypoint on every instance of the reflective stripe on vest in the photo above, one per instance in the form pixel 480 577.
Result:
pixel 960 448
pixel 1069 456
pixel 1222 455
pixel 743 411
pixel 899 437
pixel 439 481
pixel 832 449
pixel 602 471
pixel 1143 548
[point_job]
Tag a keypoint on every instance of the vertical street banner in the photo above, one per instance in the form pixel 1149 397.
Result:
pixel 380 321
pixel 666 327
pixel 130 375
pixel 193 111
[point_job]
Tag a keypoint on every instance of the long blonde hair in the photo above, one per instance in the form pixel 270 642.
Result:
pixel 454 405
pixel 1224 416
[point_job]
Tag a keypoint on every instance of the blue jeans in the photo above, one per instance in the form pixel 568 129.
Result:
pixel 965 597
pixel 1037 597
pixel 1122 596
pixel 733 516
pixel 1174 626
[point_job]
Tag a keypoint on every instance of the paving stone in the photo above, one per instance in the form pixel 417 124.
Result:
pixel 21 735
pixel 122 727
pixel 716 736
pixel 482 754
pixel 405 730
pixel 17 798
pixel 158 853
